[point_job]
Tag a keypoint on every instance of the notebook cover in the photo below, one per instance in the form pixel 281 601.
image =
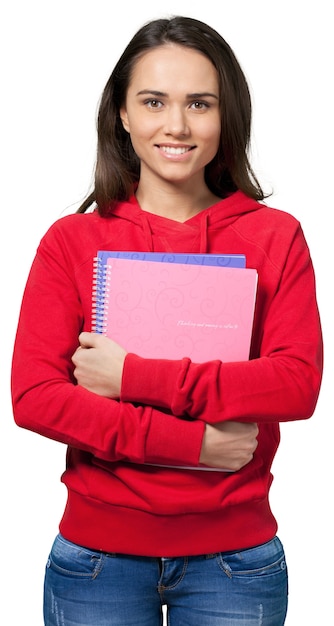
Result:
pixel 171 310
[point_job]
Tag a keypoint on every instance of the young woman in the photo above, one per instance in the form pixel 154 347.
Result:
pixel 172 174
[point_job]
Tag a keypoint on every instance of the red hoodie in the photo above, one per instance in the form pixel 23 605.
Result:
pixel 117 500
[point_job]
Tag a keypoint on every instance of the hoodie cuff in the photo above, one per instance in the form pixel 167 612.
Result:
pixel 150 381
pixel 173 442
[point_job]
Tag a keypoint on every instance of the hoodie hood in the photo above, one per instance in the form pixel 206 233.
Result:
pixel 194 235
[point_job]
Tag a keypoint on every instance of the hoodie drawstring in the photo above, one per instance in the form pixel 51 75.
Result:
pixel 203 244
pixel 147 231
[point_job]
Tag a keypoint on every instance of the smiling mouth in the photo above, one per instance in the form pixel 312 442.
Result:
pixel 175 150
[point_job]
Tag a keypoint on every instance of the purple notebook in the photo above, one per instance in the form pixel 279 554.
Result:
pixel 223 260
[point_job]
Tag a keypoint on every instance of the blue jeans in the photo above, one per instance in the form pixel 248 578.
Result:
pixel 84 587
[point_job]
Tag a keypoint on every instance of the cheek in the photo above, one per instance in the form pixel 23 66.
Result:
pixel 208 128
pixel 139 137
pixel 140 128
pixel 212 137
pixel 214 129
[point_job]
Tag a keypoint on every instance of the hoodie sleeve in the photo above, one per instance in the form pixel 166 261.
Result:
pixel 46 398
pixel 281 381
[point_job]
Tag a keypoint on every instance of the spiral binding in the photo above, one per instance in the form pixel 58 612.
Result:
pixel 100 292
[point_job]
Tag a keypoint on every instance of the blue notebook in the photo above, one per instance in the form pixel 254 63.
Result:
pixel 223 260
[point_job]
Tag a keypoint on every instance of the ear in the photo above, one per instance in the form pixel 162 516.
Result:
pixel 124 118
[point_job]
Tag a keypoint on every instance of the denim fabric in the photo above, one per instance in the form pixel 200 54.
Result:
pixel 84 587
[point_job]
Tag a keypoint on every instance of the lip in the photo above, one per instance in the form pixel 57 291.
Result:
pixel 174 151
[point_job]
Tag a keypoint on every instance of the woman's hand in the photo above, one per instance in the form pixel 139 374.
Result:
pixel 229 445
pixel 99 364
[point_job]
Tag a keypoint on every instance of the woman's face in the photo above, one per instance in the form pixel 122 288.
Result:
pixel 172 114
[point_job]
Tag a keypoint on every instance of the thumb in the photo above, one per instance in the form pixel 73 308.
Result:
pixel 88 340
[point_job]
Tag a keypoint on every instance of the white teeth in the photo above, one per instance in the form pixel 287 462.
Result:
pixel 171 150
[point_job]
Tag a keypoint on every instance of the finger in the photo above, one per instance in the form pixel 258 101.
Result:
pixel 75 355
pixel 87 340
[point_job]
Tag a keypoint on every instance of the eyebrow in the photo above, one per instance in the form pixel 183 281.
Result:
pixel 162 94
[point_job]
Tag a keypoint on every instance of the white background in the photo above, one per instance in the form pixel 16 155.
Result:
pixel 56 57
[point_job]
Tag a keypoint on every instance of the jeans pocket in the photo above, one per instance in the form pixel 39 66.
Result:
pixel 266 559
pixel 72 560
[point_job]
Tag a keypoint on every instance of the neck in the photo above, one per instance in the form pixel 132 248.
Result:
pixel 175 203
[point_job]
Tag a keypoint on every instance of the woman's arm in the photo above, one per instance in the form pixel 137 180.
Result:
pixel 46 396
pixel 99 365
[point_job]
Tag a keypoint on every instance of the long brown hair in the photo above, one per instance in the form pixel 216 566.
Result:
pixel 117 165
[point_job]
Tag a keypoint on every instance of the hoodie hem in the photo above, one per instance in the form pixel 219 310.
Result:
pixel 116 529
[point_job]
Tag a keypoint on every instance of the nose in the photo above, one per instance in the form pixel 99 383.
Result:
pixel 176 122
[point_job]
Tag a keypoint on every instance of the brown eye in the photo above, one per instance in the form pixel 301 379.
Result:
pixel 199 105
pixel 153 104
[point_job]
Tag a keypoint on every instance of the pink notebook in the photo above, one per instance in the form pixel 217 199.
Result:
pixel 172 310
